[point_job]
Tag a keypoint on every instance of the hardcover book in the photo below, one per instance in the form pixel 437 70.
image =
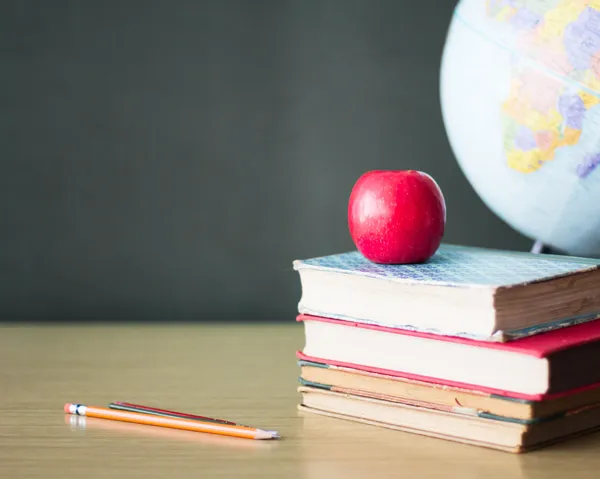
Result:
pixel 534 368
pixel 487 432
pixel 463 291
pixel 443 397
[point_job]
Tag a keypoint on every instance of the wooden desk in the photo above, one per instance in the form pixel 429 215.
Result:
pixel 243 373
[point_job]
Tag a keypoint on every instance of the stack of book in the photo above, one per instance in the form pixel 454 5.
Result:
pixel 486 347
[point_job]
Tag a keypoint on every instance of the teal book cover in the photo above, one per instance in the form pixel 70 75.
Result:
pixel 342 286
pixel 460 266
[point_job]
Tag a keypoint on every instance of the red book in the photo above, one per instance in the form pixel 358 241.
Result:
pixel 538 367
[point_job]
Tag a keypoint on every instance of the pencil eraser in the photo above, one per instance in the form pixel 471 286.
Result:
pixel 68 407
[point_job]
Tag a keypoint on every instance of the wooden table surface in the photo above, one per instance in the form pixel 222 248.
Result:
pixel 245 373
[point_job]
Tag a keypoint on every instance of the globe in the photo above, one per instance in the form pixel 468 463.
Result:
pixel 520 99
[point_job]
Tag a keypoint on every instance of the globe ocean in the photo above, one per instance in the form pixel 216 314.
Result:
pixel 520 94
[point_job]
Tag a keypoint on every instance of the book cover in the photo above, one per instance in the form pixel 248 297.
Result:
pixel 539 346
pixel 482 431
pixel 470 270
pixel 456 409
pixel 459 266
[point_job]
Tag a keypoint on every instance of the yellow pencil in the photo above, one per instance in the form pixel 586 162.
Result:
pixel 170 422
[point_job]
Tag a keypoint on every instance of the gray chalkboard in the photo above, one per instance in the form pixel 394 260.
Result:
pixel 167 160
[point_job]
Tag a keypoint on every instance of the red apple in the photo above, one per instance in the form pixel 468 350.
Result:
pixel 396 216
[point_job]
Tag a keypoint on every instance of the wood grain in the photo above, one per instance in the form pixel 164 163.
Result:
pixel 245 373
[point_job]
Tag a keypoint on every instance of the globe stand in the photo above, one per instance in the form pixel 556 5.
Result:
pixel 540 248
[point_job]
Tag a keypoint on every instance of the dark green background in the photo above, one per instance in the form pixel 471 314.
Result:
pixel 167 160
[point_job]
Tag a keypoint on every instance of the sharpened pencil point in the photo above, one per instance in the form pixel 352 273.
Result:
pixel 262 434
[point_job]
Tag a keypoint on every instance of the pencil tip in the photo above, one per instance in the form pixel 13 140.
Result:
pixel 262 434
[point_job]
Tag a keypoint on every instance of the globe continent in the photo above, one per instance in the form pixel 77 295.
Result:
pixel 520 94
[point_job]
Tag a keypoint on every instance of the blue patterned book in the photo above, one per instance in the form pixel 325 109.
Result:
pixel 479 293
